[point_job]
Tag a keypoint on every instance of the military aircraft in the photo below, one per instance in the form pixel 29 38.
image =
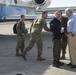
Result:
pixel 10 10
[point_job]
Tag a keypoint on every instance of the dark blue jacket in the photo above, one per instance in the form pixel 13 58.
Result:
pixel 55 27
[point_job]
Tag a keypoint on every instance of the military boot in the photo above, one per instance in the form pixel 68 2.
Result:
pixel 56 65
pixel 21 52
pixel 63 57
pixel 17 54
pixel 39 58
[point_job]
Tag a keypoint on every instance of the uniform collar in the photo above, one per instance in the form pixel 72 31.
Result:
pixel 56 19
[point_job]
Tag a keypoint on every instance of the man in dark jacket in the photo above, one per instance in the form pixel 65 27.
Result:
pixel 55 28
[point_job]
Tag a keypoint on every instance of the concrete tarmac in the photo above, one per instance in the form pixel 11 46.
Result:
pixel 12 65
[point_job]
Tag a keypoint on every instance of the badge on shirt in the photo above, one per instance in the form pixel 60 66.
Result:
pixel 52 24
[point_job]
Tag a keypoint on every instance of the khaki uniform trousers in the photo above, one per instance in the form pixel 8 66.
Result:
pixel 72 48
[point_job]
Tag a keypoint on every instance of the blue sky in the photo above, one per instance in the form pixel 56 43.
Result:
pixel 62 3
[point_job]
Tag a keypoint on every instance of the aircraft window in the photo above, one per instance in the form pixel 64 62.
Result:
pixel 15 1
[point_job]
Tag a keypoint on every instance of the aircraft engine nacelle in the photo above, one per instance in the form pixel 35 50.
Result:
pixel 41 3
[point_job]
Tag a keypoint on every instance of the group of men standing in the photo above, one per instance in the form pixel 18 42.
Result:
pixel 58 26
pixel 63 30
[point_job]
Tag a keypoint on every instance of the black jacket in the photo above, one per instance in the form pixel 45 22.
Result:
pixel 55 27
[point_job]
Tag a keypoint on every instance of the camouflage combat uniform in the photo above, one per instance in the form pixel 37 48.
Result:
pixel 64 37
pixel 20 36
pixel 35 36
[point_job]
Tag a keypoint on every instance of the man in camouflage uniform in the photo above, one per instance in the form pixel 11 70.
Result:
pixel 64 36
pixel 35 37
pixel 20 35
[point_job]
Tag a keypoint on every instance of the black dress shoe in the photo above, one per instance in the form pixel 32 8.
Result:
pixel 70 64
pixel 73 66
pixel 60 63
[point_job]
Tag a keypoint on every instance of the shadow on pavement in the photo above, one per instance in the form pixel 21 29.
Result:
pixel 9 63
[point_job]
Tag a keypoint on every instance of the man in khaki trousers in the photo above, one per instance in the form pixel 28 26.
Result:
pixel 71 29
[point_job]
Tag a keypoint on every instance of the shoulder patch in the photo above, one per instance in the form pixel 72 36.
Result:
pixel 52 24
